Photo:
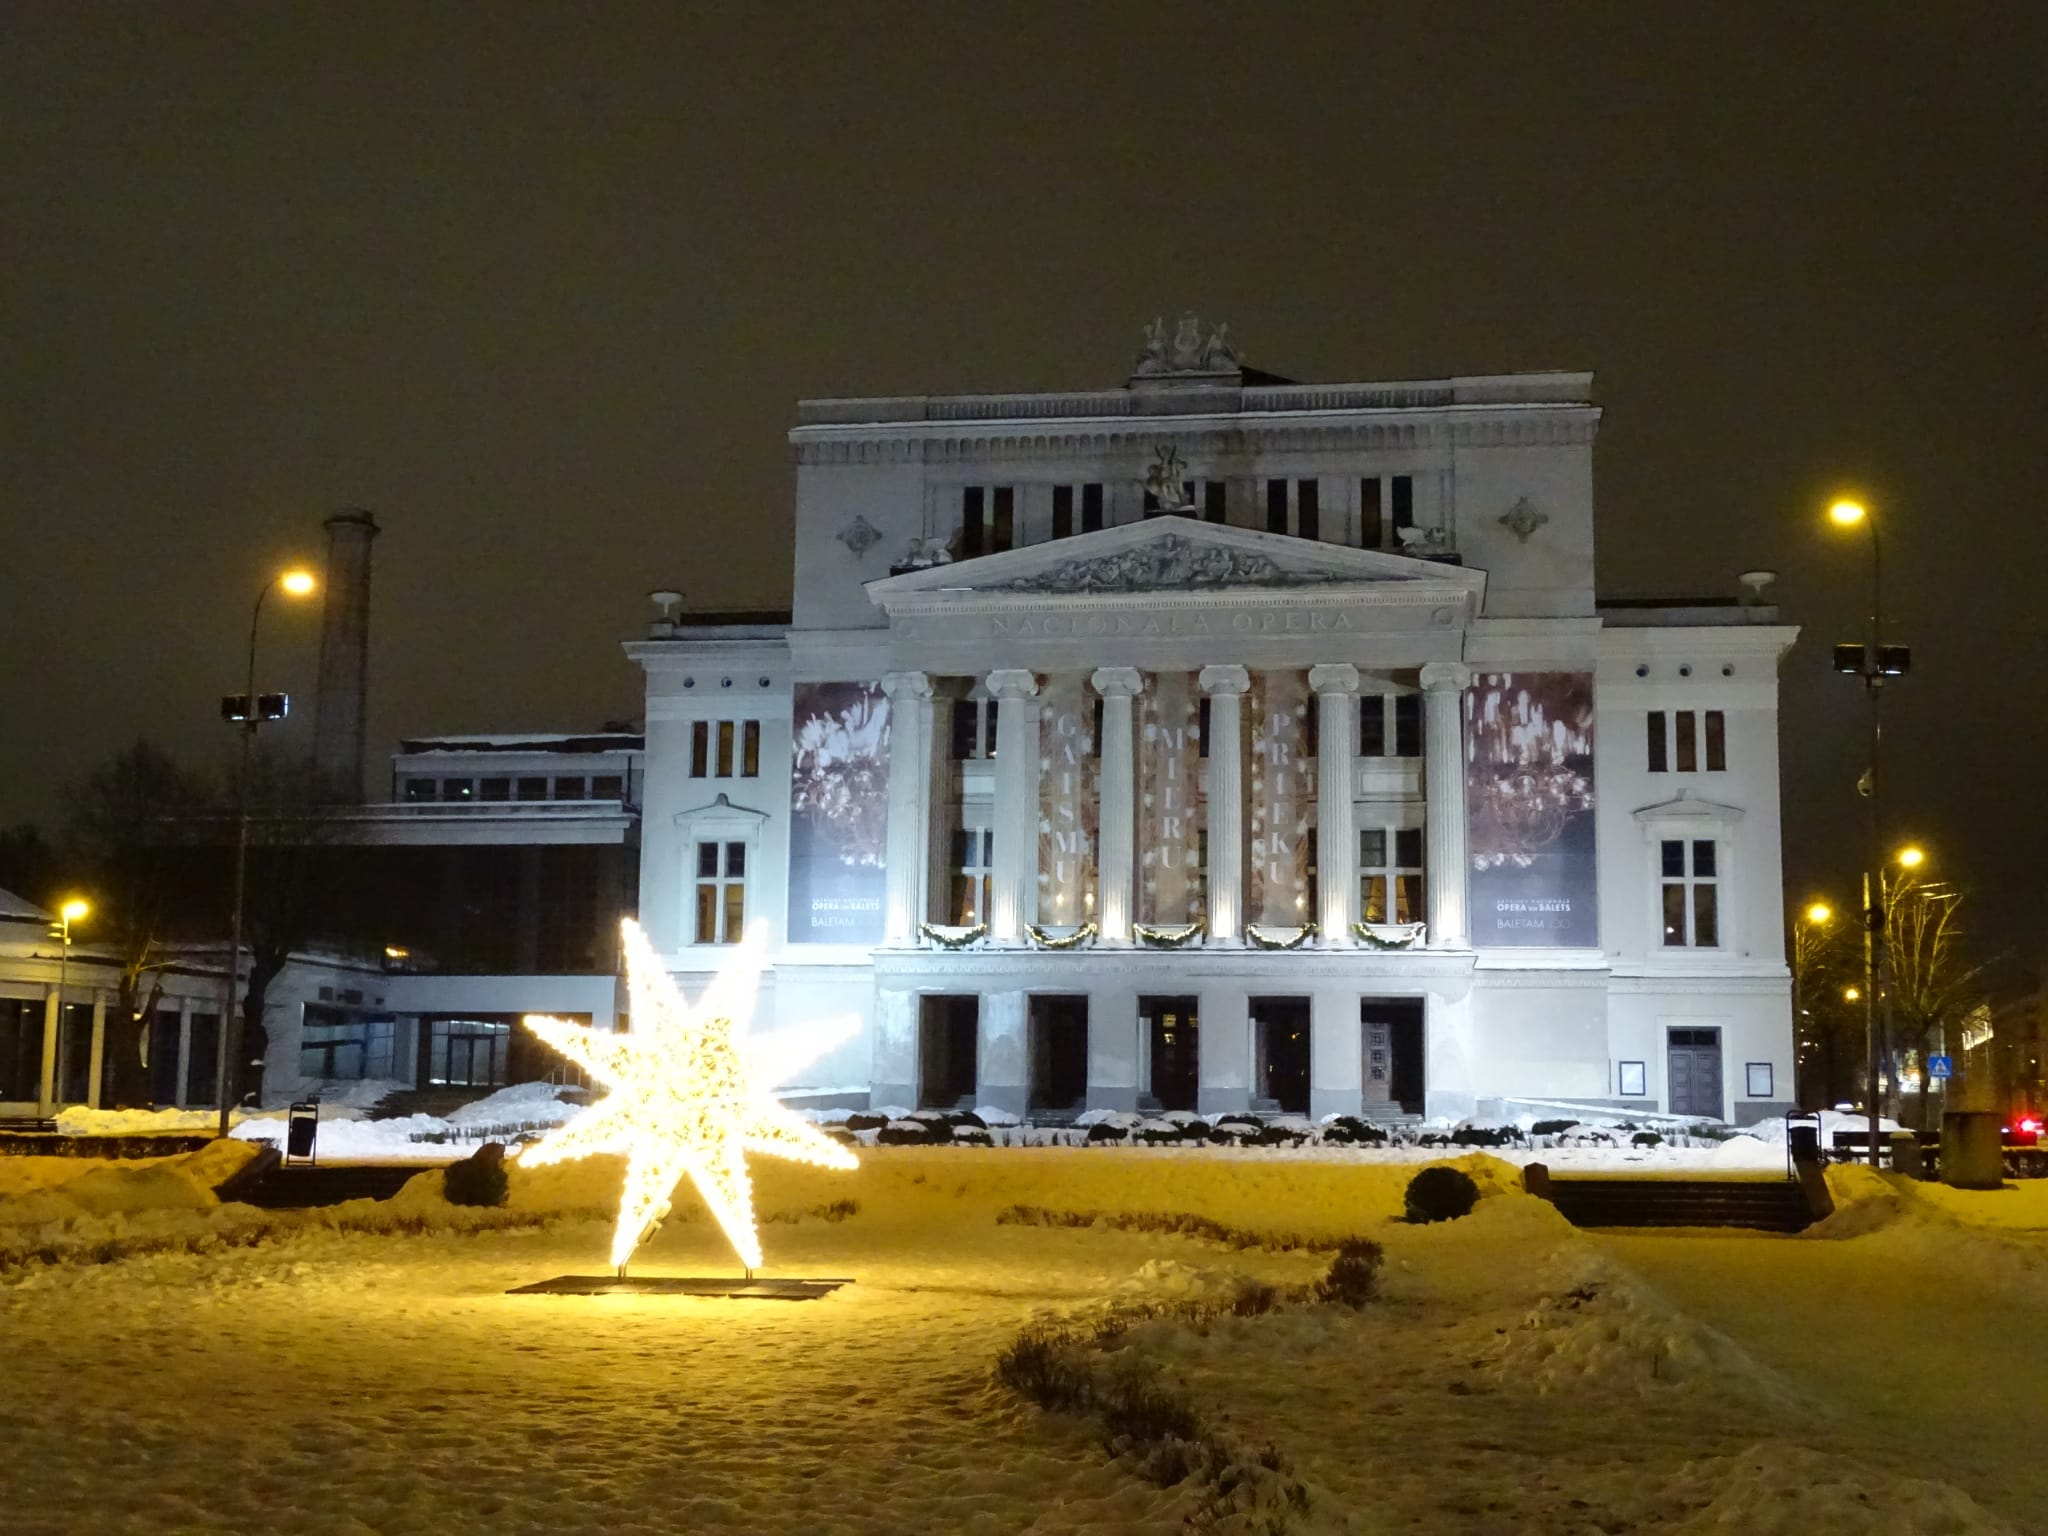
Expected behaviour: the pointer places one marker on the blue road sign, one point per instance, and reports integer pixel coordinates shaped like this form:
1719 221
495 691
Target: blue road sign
1940 1066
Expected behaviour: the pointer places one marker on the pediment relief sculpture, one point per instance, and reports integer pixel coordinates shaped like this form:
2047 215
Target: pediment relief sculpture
1174 562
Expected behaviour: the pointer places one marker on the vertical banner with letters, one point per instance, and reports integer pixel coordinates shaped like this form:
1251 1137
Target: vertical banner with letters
1529 809
1280 797
1067 769
1170 889
838 813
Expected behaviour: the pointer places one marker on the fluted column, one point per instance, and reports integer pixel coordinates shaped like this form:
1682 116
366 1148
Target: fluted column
1336 690
1016 807
910 793
1225 686
1117 849
1443 742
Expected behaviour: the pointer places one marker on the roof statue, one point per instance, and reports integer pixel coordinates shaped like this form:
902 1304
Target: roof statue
1186 350
1165 480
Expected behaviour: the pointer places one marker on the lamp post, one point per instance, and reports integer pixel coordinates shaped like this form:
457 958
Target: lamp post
253 711
1873 661
1804 944
69 912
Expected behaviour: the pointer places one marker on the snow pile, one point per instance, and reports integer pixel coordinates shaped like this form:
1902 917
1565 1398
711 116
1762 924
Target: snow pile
521 1104
346 1137
1774 1489
80 1121
1597 1328
130 1189
1831 1121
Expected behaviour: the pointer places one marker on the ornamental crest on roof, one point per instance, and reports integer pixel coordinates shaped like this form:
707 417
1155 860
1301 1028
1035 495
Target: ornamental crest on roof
1186 350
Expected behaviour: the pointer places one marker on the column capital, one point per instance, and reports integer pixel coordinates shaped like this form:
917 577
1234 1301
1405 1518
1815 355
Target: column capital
1446 677
1114 681
1334 677
907 685
1224 679
1012 683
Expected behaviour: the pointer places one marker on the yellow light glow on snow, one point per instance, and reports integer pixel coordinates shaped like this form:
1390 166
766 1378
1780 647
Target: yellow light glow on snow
690 1095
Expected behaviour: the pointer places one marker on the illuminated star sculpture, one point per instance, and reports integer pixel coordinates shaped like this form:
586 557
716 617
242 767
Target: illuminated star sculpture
689 1095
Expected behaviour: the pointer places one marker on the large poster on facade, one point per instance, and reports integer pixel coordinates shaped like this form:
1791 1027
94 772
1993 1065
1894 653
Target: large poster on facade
1529 809
838 813
1171 879
1067 818
1280 797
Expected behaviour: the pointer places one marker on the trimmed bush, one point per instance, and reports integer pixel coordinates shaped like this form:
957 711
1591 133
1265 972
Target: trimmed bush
478 1179
1349 1130
1354 1277
1482 1136
1440 1193
1102 1130
1646 1139
1551 1127
861 1120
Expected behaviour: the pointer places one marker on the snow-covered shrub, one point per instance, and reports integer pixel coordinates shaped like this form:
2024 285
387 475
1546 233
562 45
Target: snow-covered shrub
1440 1193
1102 1131
1278 1136
1164 1133
861 1120
1551 1127
972 1136
1646 1139
913 1133
1349 1130
1485 1133
1354 1277
478 1179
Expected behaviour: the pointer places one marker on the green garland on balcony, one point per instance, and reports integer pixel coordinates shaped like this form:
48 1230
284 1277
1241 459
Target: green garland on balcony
959 938
1081 935
1259 940
1170 938
1372 940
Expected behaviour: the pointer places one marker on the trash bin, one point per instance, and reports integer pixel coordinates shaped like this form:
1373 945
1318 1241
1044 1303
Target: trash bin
302 1130
1972 1149
1803 1140
1905 1150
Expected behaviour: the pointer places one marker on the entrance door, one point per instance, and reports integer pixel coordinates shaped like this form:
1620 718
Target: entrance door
1694 1075
1391 1052
1059 1055
947 1024
1173 1030
163 1056
1280 1041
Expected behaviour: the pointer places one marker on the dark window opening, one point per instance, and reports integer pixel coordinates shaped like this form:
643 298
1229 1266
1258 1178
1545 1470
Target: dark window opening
965 728
1212 502
700 750
750 750
1280 1028
1276 506
1062 511
1660 755
1005 529
1404 501
946 1028
1407 725
1371 533
1717 741
1058 1052
1202 726
1173 1027
1688 746
1308 509
972 527
1372 726
1091 508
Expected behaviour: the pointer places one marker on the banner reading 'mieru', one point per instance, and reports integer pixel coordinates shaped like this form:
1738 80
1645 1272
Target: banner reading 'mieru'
838 813
1529 809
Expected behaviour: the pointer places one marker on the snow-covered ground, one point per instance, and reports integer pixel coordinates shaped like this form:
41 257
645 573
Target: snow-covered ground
1515 1377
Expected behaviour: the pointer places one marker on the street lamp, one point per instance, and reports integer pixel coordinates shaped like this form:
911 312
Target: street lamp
1806 943
1873 661
71 911
248 712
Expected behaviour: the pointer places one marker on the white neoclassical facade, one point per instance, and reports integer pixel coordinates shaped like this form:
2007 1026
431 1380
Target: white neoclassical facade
1220 742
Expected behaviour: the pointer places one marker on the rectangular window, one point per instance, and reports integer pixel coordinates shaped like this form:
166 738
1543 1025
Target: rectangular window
973 521
1688 745
750 750
973 863
1690 894
1091 508
1660 757
1276 506
1404 503
1717 741
725 749
496 789
721 892
1213 502
533 787
700 750
1371 532
1063 511
1390 874
1407 725
419 790
606 786
569 789
1002 533
1372 725
1201 726
458 789
1308 509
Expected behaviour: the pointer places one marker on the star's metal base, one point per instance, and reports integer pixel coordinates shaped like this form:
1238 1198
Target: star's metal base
727 1288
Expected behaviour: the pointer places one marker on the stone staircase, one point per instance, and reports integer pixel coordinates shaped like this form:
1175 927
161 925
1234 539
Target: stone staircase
438 1102
1763 1205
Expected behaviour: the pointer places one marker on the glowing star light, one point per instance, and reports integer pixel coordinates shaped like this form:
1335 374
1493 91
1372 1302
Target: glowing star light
689 1095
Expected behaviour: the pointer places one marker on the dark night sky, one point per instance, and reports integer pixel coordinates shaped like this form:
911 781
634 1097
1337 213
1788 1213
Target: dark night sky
540 283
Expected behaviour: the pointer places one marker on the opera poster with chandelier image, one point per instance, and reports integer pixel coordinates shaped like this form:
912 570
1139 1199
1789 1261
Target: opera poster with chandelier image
838 813
1534 878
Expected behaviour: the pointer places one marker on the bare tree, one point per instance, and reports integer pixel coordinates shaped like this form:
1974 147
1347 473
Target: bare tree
1935 982
126 821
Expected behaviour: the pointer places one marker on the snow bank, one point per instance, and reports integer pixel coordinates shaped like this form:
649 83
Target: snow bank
131 1189
346 1137
80 1121
1775 1489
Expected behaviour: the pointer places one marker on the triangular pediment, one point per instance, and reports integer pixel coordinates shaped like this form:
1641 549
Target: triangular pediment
1687 806
1170 554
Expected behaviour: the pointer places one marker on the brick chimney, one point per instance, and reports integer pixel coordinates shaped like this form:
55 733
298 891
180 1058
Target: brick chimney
342 696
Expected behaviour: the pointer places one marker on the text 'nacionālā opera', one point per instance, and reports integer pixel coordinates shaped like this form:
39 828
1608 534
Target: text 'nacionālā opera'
1224 742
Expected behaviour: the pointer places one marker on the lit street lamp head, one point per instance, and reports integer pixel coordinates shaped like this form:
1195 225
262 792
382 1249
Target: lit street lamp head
1851 993
1819 912
74 910
297 582
1911 857
1847 513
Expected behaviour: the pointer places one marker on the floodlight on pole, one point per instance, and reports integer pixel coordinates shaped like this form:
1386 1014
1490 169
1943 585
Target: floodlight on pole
72 910
1911 857
294 581
1819 913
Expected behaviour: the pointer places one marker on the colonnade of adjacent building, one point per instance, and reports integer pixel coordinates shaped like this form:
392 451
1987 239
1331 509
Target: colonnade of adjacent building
1015 863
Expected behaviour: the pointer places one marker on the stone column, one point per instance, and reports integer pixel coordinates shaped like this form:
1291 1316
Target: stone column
1443 743
910 790
99 1051
1336 843
53 1016
1225 686
1117 855
1016 807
